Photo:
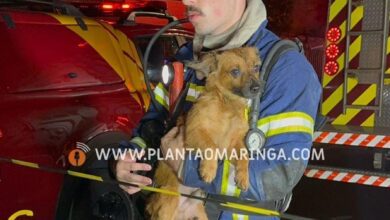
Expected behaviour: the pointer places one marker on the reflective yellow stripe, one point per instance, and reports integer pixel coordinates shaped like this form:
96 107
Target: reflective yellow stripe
159 190
21 213
193 92
336 96
24 163
225 177
335 8
162 102
138 141
85 176
286 123
387 81
364 99
228 186
162 95
240 217
290 129
369 122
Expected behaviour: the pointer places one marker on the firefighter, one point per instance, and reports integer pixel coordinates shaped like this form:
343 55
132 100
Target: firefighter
287 111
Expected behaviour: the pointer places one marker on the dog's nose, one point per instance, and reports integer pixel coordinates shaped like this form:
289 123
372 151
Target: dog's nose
255 87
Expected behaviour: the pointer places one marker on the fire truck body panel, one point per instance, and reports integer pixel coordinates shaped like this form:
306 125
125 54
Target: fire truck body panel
61 83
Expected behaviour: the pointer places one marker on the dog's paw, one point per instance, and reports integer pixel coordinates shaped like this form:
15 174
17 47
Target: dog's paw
207 171
208 177
242 180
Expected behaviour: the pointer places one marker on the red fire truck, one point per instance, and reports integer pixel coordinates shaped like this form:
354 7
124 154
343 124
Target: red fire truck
66 82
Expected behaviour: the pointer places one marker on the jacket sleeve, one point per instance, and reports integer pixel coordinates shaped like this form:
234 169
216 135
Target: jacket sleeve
287 114
151 127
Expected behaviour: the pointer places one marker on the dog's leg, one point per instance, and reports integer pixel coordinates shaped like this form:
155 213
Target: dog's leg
208 170
200 139
241 166
160 206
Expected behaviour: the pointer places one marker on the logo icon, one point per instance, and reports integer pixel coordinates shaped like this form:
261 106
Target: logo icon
78 156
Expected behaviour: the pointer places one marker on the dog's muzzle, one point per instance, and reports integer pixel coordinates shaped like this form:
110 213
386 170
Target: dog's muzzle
252 89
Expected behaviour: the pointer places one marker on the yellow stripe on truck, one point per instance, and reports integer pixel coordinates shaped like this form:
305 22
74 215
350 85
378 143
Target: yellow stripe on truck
364 99
387 81
95 36
335 8
112 51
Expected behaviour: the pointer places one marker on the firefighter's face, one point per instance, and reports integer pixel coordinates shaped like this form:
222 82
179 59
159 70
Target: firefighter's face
213 17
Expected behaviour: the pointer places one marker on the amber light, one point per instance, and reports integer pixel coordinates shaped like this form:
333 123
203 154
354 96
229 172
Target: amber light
331 68
332 51
334 34
125 6
107 6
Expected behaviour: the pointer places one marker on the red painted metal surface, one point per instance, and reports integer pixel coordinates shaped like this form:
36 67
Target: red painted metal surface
52 93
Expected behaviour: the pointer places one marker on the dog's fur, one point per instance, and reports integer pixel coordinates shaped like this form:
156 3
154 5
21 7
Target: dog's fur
215 121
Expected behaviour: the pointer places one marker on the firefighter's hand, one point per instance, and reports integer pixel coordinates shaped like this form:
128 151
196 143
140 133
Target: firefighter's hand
125 171
173 140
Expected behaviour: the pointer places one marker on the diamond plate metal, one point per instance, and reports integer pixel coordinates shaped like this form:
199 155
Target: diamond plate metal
384 120
371 54
372 44
373 14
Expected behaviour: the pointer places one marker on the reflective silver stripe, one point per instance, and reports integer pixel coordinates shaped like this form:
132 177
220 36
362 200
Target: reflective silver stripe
286 122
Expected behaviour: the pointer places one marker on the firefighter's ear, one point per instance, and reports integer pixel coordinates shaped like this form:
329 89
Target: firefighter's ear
206 65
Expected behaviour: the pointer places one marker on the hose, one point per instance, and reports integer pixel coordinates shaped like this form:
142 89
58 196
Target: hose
146 58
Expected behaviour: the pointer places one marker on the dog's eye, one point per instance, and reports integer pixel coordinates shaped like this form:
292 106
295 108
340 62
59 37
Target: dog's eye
235 73
256 69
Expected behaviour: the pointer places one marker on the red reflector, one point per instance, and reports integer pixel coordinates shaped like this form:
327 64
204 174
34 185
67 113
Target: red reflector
331 68
334 34
1 133
332 51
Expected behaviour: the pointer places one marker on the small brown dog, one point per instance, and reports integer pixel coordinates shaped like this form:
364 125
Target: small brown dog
215 121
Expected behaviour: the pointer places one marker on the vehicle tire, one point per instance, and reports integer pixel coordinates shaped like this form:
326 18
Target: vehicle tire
82 199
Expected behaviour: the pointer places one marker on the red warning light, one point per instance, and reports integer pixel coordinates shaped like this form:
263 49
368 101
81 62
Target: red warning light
331 68
332 51
334 34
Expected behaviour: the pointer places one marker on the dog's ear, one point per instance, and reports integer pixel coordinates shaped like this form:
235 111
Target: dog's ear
204 66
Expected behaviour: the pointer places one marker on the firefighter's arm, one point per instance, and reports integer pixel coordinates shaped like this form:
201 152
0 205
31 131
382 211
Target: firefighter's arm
287 116
147 134
151 127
